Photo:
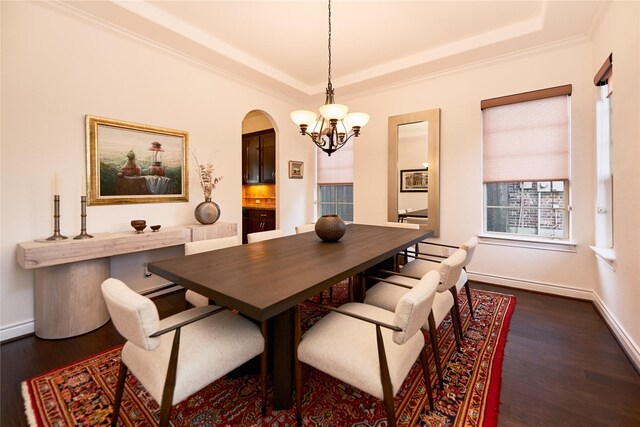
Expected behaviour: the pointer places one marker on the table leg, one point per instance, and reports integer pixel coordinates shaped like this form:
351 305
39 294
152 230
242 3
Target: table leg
283 359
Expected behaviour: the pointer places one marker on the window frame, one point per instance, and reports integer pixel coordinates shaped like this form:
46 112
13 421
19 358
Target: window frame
526 240
336 203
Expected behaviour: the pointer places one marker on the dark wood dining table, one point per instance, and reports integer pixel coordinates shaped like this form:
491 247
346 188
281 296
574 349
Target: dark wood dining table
266 280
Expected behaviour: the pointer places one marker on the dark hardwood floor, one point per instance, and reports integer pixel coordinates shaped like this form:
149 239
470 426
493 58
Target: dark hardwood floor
562 365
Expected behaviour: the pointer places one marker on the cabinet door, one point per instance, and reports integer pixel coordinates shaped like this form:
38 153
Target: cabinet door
251 160
268 160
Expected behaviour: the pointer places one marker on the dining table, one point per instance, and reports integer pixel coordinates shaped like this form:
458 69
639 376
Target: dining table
266 280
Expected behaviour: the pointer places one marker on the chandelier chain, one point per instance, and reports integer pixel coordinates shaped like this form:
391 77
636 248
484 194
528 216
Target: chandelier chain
329 45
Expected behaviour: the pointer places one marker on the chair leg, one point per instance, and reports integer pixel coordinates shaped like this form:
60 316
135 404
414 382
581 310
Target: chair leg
456 332
387 389
122 375
468 291
436 350
456 308
263 368
170 382
427 377
298 366
350 291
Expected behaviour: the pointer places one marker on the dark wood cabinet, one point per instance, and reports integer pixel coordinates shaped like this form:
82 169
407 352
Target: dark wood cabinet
259 157
255 220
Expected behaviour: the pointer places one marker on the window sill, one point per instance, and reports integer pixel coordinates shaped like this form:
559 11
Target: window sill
529 243
605 254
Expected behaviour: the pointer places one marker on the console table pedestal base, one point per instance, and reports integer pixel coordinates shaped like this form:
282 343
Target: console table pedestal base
68 299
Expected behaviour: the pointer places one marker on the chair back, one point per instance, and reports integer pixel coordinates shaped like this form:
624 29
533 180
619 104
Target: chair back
134 316
470 247
412 310
450 269
196 247
403 225
305 228
263 235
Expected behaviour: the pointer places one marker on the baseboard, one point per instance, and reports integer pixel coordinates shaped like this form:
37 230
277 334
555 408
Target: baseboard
530 285
17 330
631 349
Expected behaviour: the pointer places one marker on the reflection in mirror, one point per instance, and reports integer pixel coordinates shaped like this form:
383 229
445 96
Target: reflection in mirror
414 157
413 166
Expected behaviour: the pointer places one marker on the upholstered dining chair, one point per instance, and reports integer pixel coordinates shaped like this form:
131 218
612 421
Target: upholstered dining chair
377 347
181 354
264 235
424 262
396 264
190 248
388 291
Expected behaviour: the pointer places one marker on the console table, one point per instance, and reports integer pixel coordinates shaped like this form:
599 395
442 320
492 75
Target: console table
68 273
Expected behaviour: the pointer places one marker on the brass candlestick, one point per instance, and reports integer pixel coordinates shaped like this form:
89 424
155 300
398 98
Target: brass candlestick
56 220
83 217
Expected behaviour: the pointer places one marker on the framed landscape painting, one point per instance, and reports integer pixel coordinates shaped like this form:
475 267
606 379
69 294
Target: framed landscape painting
135 163
414 180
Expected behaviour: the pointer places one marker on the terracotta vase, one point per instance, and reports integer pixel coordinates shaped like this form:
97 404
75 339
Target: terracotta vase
207 212
156 169
330 228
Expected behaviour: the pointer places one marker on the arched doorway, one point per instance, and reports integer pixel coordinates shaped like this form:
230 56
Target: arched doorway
259 183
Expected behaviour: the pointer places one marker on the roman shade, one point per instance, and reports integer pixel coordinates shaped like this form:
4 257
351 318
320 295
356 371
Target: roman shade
526 136
337 168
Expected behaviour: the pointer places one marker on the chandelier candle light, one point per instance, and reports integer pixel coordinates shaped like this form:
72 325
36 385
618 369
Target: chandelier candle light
335 127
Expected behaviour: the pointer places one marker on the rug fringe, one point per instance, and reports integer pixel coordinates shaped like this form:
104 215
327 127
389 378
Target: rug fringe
28 408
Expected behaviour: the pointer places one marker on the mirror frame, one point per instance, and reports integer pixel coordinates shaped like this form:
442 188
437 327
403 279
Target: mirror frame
432 117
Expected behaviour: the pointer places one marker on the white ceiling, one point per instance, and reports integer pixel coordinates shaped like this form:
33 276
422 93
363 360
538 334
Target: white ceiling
283 44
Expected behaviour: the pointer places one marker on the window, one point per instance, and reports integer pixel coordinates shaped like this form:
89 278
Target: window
526 140
335 183
336 199
604 171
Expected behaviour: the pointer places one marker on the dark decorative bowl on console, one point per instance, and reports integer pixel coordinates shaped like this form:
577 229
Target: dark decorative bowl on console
139 225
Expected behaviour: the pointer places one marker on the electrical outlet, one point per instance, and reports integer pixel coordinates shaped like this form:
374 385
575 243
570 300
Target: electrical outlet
147 273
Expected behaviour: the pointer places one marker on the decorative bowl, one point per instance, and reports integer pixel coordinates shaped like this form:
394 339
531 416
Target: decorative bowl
155 227
139 225
330 228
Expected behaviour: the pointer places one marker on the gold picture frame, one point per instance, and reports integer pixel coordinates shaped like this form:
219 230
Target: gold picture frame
135 163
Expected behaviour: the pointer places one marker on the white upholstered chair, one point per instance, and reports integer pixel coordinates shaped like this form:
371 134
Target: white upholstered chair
396 265
190 248
377 347
422 264
263 235
181 354
305 228
388 291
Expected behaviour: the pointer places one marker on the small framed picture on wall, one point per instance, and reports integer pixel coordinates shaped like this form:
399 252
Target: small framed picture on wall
296 169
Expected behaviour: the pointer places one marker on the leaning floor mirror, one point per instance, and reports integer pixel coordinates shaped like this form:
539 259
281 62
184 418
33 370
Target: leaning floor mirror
414 169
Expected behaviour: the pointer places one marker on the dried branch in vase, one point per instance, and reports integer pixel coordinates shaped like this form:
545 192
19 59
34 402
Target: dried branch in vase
207 181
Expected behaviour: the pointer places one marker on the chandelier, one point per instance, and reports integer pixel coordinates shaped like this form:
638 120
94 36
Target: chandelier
335 127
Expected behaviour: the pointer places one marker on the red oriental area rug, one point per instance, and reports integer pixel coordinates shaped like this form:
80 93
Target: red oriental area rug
81 394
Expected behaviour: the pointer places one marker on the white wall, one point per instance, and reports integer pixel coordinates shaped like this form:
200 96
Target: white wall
57 67
618 291
458 94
